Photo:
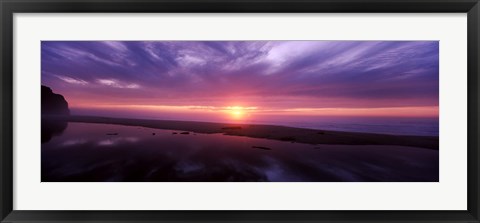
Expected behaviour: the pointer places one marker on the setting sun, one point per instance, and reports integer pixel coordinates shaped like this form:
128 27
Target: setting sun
236 112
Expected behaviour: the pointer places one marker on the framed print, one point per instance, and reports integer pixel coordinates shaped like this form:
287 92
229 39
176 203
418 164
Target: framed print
262 111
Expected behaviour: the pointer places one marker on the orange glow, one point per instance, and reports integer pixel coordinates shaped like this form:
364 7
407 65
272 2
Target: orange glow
426 111
240 112
236 112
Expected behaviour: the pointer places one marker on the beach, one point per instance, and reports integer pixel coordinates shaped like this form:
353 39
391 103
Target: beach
282 133
240 111
99 152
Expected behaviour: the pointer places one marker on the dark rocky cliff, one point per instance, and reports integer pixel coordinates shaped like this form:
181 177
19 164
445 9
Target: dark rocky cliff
53 104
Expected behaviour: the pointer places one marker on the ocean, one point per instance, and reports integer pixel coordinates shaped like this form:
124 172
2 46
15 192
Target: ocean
392 126
381 125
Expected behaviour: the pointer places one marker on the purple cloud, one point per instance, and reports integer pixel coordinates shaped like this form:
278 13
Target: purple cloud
263 73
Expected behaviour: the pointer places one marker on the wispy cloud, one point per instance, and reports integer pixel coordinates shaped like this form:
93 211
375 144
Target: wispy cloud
71 80
290 74
116 84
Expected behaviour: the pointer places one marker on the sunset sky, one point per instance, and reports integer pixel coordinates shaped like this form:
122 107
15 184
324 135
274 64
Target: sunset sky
222 80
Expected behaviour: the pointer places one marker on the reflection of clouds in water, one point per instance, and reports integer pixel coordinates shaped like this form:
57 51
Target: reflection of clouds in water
376 167
107 142
186 167
275 171
74 142
69 170
241 170
115 141
342 173
137 155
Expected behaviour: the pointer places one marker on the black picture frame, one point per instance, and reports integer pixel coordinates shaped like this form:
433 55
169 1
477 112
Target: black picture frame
9 7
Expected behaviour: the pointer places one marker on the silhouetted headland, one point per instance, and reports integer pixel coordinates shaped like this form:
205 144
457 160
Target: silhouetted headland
52 105
283 133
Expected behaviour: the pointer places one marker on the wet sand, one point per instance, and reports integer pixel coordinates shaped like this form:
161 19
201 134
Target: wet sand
282 133
94 152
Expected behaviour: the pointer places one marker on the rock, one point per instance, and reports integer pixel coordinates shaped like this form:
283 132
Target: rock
53 104
232 128
287 138
185 133
261 147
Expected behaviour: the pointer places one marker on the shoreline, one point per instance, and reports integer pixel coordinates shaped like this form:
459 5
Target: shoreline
282 133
